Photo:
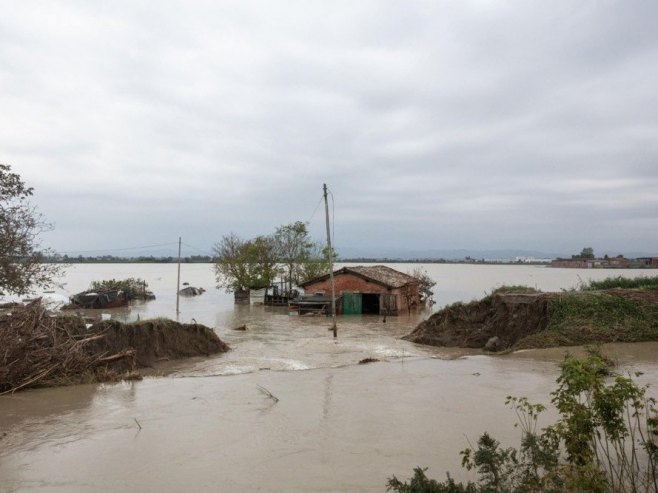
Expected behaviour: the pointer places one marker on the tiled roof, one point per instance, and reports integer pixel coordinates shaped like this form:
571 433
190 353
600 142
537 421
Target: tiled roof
383 274
377 273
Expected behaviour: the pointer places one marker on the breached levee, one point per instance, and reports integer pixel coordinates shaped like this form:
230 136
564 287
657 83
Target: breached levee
525 320
500 320
42 349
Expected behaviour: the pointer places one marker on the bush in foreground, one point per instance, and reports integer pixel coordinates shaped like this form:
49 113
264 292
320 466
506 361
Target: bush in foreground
605 440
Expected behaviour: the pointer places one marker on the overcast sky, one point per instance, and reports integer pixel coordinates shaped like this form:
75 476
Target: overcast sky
435 124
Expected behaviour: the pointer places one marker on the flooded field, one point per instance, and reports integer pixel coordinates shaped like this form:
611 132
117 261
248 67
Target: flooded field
210 425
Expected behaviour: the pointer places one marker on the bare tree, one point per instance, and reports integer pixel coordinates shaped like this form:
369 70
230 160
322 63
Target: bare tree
426 283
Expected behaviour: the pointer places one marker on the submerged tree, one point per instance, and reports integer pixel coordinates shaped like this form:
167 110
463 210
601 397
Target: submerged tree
245 264
21 256
294 249
301 258
252 264
426 283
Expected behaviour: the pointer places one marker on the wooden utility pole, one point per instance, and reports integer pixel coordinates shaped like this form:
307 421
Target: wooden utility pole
331 262
178 281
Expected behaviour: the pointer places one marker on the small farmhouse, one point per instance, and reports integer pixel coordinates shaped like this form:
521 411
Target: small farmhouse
377 290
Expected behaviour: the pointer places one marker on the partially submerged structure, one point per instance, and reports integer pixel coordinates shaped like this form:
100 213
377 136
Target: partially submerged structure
191 291
94 299
111 294
375 290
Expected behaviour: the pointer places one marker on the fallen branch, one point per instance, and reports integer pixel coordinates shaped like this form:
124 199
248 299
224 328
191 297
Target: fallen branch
268 393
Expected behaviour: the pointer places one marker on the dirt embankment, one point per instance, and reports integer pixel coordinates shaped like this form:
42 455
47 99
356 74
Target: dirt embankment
509 317
516 320
40 349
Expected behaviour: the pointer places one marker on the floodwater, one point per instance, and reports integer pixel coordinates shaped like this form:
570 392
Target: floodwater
211 425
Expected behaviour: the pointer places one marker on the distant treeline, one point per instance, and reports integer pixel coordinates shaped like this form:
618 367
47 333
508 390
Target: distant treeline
204 259
111 259
466 260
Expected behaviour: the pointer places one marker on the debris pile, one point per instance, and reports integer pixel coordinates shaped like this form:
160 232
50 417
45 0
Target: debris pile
38 348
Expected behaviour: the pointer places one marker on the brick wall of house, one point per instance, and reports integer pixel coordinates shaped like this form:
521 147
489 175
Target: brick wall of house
350 283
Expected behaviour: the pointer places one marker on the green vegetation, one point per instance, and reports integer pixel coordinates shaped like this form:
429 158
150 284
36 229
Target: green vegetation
21 257
134 288
585 253
245 264
253 264
605 440
646 283
592 315
426 283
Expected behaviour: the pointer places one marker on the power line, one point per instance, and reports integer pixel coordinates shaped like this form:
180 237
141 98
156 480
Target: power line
119 249
205 252
315 210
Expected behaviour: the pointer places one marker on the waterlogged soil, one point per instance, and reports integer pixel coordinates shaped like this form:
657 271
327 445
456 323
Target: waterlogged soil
325 429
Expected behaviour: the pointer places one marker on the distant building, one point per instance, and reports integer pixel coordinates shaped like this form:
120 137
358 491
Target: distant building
573 263
377 290
594 263
648 262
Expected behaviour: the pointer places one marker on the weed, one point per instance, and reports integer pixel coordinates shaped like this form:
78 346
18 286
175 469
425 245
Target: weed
605 440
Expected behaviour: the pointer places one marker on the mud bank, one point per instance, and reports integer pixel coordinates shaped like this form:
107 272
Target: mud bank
42 349
532 320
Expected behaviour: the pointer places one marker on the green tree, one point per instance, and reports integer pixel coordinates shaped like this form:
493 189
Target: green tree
294 250
21 256
317 263
244 264
586 253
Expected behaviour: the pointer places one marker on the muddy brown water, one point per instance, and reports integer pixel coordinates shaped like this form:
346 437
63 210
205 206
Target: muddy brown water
210 425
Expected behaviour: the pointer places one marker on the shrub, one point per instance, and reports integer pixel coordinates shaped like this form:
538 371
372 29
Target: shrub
650 283
134 288
605 440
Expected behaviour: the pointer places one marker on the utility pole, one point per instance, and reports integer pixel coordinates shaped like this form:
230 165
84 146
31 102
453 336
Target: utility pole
178 281
331 263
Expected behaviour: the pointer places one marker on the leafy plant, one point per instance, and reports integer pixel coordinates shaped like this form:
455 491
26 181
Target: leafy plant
640 282
22 266
134 288
605 440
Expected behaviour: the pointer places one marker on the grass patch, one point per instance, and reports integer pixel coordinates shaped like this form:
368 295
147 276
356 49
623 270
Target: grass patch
514 288
648 283
585 317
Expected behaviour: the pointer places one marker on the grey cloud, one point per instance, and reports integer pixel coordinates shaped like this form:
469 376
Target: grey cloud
475 124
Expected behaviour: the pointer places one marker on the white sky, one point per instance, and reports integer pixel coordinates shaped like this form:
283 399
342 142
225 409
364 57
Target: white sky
436 124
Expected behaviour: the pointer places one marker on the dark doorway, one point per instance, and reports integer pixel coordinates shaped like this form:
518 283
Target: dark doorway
370 304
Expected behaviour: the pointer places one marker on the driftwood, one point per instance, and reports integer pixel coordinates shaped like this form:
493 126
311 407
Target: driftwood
39 349
268 393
